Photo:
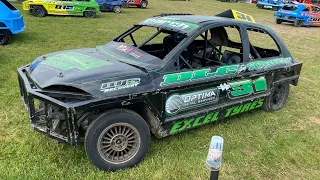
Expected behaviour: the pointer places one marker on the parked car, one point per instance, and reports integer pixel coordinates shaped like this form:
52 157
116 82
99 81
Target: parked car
138 3
187 71
111 5
270 4
299 15
41 8
11 21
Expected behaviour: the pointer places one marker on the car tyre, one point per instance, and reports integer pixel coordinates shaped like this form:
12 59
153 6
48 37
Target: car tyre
278 21
39 11
116 9
90 13
4 37
143 4
278 96
117 139
298 23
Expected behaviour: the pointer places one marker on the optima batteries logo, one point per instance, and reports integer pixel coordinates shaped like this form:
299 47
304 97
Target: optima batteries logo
181 102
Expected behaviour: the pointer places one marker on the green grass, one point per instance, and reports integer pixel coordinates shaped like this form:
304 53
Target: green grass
258 145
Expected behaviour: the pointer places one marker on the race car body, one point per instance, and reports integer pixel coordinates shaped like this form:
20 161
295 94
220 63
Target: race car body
188 71
270 4
299 15
41 8
111 5
138 3
11 21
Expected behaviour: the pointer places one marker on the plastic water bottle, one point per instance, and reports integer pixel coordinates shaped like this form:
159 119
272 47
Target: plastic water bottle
214 158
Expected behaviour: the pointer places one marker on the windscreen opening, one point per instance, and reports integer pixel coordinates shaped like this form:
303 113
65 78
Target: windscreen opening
155 41
290 8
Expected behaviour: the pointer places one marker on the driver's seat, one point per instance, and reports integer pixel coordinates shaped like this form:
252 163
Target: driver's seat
219 37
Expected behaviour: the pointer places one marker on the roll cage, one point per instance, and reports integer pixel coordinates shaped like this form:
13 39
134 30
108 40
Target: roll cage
249 52
175 58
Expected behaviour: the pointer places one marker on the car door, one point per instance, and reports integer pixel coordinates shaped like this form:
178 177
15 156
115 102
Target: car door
210 86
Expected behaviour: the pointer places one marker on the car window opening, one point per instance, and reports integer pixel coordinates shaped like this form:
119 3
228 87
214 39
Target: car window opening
262 45
290 7
155 41
214 47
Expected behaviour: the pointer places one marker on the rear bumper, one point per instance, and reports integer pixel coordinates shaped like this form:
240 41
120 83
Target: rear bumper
40 119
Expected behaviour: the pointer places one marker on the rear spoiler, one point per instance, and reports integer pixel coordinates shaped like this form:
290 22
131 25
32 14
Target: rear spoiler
233 14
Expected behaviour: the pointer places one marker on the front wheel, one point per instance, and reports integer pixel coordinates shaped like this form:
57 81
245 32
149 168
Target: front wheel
298 23
4 37
116 9
117 139
143 4
278 97
278 21
39 11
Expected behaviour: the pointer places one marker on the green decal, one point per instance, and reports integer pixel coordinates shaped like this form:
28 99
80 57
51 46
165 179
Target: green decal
204 119
194 122
176 78
169 23
170 79
243 108
258 65
233 69
241 88
260 84
198 74
71 60
244 87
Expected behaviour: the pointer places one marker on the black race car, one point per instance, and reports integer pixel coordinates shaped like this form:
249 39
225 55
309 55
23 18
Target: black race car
190 70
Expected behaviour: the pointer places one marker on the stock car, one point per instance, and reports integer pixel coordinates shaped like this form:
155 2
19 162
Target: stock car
111 5
270 4
299 14
41 8
138 3
11 21
188 71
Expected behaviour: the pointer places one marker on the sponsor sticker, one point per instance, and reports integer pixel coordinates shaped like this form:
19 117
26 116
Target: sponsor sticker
120 84
181 102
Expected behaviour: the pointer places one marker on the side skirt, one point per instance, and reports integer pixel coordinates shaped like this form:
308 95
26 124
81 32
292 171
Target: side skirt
173 127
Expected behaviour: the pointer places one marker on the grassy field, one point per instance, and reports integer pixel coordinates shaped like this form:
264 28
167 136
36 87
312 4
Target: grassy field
258 145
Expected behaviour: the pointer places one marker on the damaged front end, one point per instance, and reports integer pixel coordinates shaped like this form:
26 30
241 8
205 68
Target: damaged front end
52 112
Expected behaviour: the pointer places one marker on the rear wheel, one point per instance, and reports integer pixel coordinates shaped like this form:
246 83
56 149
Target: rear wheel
117 139
143 4
116 9
278 21
278 97
90 13
298 23
4 37
39 11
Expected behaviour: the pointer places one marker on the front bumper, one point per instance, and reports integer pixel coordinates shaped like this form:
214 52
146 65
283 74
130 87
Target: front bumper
39 118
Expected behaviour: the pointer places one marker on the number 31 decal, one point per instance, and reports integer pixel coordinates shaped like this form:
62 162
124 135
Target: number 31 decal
247 87
241 16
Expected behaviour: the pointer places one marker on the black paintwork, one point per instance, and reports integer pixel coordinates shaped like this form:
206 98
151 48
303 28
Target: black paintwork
83 87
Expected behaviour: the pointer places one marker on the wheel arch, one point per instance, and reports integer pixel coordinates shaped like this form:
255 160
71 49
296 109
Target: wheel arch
138 106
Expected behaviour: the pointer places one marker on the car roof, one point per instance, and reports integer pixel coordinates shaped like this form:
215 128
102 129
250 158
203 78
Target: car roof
196 21
200 19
